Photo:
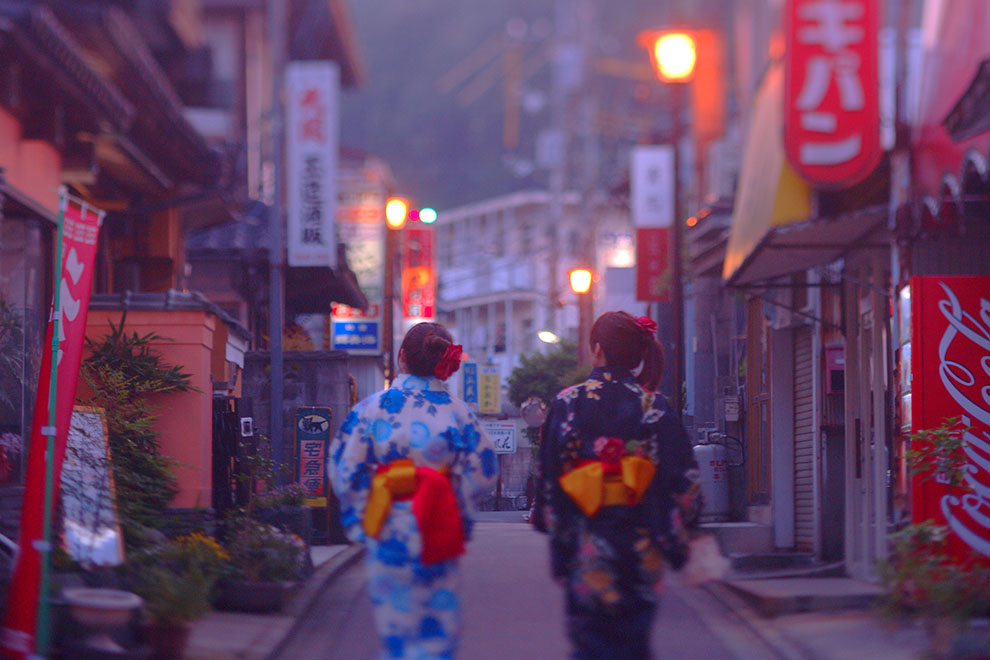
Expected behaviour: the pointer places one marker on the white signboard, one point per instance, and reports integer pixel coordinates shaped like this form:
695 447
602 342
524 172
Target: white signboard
311 134
503 434
651 186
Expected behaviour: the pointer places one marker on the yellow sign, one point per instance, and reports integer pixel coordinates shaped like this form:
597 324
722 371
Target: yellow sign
488 396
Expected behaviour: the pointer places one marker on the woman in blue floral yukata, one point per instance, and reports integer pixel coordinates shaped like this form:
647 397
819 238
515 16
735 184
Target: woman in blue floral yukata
619 487
408 465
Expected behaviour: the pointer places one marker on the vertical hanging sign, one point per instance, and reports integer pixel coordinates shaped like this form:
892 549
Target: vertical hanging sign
950 330
26 627
831 96
311 161
312 449
418 279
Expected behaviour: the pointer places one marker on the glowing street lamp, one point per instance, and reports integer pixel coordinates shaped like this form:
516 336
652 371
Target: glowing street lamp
580 280
547 337
396 211
674 56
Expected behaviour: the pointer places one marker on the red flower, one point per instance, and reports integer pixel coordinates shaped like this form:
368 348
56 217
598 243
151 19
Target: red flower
449 363
646 324
609 450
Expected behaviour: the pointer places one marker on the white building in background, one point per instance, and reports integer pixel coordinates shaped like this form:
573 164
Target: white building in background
497 263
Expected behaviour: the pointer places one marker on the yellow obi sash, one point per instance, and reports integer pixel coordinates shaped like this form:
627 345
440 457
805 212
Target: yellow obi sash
397 480
591 488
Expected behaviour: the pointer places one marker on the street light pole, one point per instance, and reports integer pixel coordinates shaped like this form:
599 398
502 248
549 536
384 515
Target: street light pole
277 24
677 287
674 56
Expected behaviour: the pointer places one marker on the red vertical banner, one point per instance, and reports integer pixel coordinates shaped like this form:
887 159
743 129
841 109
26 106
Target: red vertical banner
80 228
653 272
418 277
831 95
950 377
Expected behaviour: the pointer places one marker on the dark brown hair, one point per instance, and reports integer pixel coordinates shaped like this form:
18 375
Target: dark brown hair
649 377
623 341
423 346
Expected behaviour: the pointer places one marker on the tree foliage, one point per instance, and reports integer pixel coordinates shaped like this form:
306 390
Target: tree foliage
124 371
544 374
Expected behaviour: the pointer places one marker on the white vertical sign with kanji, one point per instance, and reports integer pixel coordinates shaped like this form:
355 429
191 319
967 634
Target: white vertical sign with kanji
311 131
651 186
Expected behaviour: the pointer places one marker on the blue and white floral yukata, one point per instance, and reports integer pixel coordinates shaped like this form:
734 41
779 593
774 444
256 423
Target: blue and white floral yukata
416 605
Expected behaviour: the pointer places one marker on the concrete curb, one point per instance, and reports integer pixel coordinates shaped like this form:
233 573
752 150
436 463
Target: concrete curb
759 626
310 591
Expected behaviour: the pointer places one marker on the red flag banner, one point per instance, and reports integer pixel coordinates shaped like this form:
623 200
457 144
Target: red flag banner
653 272
80 228
950 330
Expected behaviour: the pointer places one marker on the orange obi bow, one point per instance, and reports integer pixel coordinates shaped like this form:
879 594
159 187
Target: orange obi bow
596 484
433 502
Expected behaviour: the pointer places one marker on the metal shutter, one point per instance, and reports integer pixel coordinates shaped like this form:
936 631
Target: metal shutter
804 442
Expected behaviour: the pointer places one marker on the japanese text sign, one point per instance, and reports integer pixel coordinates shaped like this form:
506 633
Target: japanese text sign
311 150
831 96
653 272
950 379
502 434
651 186
418 280
312 443
469 384
489 401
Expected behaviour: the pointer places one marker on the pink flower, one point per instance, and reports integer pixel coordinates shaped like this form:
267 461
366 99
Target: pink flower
609 450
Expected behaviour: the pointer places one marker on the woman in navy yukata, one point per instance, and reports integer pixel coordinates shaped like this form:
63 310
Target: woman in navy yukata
408 465
619 487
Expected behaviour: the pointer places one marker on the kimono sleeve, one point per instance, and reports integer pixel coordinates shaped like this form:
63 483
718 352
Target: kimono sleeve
476 468
681 471
350 469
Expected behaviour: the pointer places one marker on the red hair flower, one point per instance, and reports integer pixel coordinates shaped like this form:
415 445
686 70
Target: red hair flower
646 324
449 363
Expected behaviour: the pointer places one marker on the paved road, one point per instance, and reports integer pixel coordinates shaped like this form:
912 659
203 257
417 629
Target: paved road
513 610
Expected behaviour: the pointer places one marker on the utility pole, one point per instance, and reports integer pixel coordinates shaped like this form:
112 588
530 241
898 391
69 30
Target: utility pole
276 312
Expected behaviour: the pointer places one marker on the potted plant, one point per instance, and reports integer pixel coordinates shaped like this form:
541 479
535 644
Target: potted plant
922 580
176 581
264 563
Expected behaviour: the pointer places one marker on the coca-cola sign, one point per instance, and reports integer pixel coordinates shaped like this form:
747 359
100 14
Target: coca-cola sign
951 378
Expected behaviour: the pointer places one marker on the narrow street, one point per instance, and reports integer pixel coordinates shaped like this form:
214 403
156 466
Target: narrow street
512 609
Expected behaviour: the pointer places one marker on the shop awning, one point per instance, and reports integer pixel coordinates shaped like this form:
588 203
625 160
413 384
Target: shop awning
797 247
770 194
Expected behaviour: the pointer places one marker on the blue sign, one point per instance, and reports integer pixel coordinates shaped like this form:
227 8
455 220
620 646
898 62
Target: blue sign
469 382
356 336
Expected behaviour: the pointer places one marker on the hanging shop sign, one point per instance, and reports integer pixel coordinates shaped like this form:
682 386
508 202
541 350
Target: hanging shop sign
949 358
311 165
831 90
418 276
489 400
651 186
469 384
653 272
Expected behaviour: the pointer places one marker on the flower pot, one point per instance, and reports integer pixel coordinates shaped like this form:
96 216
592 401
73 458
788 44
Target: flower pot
167 639
248 596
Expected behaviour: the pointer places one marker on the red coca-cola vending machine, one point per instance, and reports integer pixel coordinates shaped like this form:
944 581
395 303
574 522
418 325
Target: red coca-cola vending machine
950 377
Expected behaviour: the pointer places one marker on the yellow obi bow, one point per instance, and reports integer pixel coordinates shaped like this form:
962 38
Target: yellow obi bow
397 479
591 488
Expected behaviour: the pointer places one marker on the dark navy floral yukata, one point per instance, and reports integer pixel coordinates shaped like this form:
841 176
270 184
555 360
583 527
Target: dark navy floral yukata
611 563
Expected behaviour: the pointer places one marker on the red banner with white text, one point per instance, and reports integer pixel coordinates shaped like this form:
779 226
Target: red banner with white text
79 235
950 378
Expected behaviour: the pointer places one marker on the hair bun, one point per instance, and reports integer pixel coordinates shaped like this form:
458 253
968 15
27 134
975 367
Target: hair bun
436 344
